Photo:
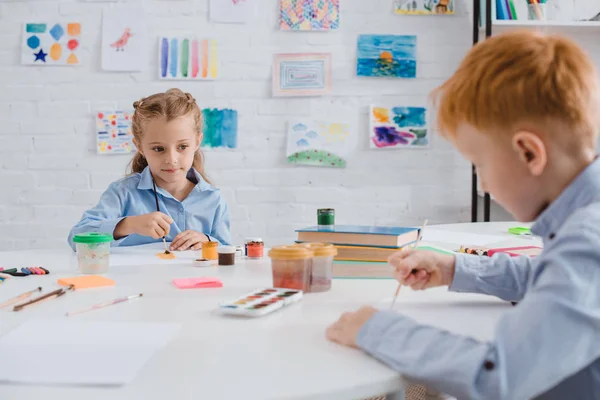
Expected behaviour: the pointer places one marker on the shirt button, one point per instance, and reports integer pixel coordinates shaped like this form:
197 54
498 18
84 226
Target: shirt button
489 365
551 236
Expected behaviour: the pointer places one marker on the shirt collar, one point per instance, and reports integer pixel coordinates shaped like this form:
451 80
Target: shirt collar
583 190
193 176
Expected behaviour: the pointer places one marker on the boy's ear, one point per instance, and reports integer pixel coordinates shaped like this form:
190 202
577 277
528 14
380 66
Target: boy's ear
531 150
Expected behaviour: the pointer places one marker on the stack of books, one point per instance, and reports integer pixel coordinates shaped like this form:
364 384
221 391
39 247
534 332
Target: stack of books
361 243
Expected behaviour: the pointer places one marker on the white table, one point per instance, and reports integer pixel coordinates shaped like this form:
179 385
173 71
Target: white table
283 355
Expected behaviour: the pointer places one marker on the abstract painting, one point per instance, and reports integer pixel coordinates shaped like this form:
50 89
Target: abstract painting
123 39
231 11
302 74
113 132
321 144
309 15
51 43
392 56
187 58
220 127
398 127
423 7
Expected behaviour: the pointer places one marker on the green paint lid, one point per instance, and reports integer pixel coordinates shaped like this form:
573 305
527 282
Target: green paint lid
93 237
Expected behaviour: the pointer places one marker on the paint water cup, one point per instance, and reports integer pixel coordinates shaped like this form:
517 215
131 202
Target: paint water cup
322 265
291 267
93 252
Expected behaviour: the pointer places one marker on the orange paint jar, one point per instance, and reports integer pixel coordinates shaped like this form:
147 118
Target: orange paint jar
209 250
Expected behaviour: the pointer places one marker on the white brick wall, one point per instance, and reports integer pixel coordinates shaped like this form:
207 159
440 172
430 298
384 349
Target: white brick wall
49 173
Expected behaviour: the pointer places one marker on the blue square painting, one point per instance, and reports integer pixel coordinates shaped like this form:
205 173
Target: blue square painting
390 56
220 128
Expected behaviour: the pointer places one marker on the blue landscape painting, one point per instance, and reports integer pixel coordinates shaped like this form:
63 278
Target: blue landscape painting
392 56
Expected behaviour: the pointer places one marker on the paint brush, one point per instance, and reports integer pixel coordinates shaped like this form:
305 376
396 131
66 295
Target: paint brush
20 297
158 209
419 237
108 303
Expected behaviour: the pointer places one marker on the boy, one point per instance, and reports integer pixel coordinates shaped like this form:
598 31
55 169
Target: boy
524 108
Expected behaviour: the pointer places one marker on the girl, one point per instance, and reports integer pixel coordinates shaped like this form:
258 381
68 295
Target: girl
167 193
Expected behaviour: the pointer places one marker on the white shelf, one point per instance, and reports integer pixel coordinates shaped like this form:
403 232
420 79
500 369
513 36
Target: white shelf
541 24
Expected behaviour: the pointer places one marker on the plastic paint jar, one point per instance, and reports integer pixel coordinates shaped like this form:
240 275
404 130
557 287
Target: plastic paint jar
209 250
291 267
326 219
251 240
226 255
255 248
93 252
322 266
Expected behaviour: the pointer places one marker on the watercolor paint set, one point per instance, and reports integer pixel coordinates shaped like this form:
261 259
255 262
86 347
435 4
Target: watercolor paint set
261 302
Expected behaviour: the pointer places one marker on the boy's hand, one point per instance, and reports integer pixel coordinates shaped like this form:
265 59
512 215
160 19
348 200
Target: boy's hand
188 240
422 269
156 225
346 329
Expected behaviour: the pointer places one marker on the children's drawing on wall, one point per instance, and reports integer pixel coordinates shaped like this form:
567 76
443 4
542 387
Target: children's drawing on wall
220 128
398 127
392 56
423 7
51 44
113 132
309 15
321 144
302 74
187 58
124 39
232 11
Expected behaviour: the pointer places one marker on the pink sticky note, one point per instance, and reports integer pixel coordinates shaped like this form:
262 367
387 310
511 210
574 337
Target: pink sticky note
197 283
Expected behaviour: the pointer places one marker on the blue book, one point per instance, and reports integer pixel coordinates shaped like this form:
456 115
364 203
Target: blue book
501 10
360 235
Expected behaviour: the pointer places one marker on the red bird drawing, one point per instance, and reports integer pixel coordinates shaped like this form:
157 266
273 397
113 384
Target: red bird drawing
122 42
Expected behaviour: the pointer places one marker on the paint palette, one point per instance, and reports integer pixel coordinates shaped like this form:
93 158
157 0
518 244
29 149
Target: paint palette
261 302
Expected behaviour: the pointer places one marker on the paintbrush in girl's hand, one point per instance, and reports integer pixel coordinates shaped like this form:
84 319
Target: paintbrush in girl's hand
158 209
419 237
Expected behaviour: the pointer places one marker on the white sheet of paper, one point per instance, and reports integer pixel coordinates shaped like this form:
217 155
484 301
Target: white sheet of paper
231 11
124 39
79 352
460 238
146 255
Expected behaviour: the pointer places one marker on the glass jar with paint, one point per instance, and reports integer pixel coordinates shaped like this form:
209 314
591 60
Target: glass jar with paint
226 255
291 267
255 248
326 219
322 265
209 250
93 252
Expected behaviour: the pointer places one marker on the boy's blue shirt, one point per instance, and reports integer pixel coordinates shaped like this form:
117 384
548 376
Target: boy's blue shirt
548 346
203 210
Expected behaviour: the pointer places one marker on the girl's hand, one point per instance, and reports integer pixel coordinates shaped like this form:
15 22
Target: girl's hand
156 225
188 240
